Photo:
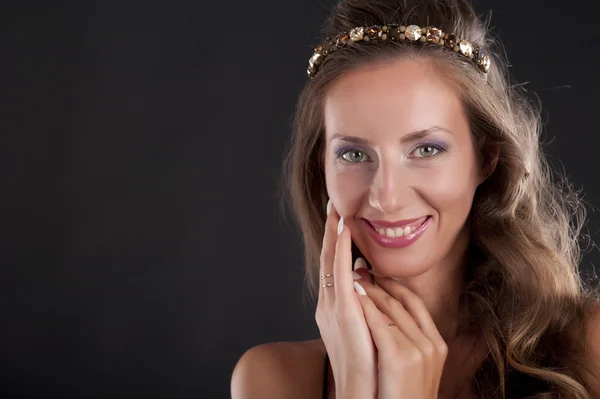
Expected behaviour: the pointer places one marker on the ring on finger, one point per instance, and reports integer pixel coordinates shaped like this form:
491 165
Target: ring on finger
323 276
327 285
390 325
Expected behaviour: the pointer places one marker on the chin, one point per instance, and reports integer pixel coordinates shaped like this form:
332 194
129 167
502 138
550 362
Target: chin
394 265
411 261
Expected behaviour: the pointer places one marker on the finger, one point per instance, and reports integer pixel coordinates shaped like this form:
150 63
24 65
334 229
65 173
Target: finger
388 340
405 354
392 308
328 251
415 307
342 263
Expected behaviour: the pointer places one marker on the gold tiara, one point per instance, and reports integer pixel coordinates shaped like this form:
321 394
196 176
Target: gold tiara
399 33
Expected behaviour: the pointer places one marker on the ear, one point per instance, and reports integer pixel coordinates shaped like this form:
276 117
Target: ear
489 160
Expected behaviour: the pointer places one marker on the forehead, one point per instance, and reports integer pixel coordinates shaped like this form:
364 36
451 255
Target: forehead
401 95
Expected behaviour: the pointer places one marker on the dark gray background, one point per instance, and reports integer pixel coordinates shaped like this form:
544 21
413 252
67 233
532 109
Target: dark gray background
143 249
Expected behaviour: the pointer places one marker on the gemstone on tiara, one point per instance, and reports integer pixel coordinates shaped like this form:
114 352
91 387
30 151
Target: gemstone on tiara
485 63
329 46
413 32
434 35
314 60
357 34
465 48
342 39
450 40
429 35
374 32
394 31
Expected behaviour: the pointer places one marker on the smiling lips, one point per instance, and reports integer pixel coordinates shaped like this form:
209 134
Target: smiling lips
397 229
396 234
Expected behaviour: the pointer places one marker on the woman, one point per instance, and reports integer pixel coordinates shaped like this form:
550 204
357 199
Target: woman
417 163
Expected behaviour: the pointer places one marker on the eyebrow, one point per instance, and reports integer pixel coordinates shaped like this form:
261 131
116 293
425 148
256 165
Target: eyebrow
412 136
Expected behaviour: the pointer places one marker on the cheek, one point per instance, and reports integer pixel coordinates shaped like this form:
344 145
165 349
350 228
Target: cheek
452 187
346 189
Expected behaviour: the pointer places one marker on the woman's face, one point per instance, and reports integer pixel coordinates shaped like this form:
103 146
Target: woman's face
400 165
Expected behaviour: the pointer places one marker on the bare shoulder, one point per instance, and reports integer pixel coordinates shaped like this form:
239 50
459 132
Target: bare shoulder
284 370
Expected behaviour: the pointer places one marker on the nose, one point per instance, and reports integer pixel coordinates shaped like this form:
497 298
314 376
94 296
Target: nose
388 188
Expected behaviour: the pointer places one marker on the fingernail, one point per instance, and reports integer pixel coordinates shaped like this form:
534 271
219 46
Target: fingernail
359 288
360 263
341 225
356 276
329 206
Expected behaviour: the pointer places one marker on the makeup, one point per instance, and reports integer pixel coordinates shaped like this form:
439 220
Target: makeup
396 242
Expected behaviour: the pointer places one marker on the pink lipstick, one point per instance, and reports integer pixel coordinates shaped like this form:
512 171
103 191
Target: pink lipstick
397 234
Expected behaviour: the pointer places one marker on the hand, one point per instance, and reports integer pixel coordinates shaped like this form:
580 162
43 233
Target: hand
411 352
340 317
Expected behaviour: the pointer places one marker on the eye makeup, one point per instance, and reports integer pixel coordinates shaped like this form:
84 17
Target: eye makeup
439 145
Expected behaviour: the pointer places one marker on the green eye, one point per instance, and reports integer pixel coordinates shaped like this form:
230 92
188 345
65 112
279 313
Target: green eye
426 152
354 156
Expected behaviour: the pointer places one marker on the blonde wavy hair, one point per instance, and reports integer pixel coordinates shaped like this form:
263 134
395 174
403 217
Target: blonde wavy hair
522 278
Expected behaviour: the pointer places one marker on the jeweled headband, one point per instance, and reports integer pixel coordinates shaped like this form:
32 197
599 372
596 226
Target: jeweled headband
399 33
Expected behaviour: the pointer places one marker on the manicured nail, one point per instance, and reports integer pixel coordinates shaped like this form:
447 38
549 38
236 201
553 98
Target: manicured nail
341 225
360 263
356 276
329 206
359 288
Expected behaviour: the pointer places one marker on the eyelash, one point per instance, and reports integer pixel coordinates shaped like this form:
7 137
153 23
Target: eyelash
340 153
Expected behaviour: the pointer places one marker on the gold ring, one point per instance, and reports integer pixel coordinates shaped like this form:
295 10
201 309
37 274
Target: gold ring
328 285
391 325
326 275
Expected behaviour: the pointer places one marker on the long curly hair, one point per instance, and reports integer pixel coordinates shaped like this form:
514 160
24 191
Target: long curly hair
522 277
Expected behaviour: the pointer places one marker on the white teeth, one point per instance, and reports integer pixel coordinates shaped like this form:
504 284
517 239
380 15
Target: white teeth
392 233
